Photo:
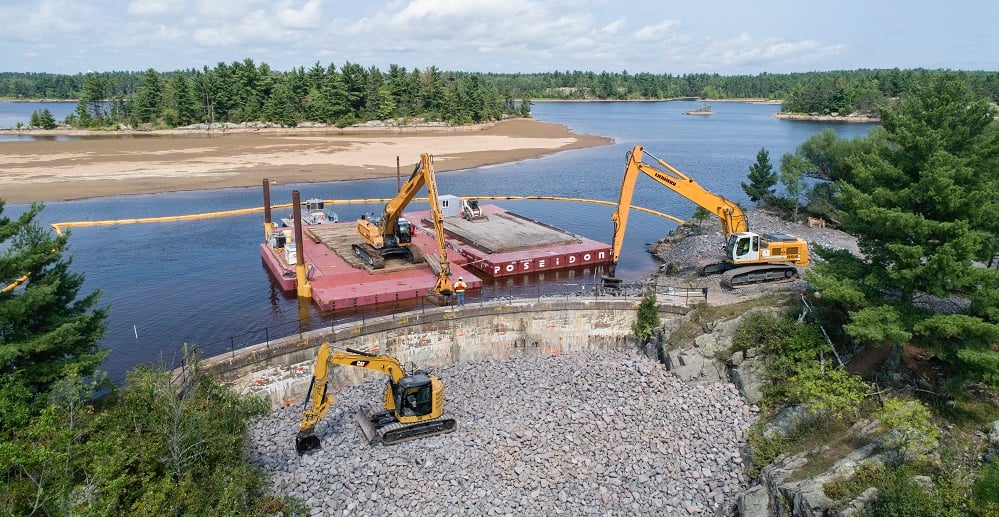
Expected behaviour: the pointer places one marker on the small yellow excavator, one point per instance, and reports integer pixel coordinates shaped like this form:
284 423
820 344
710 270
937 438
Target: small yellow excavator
413 405
749 258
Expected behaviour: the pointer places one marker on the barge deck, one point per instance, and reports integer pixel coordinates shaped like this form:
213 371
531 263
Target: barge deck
502 244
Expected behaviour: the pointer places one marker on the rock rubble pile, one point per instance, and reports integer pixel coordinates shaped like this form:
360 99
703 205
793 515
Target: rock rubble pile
685 246
606 433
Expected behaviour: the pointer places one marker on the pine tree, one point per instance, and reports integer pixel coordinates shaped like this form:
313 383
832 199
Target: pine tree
922 203
146 103
46 120
647 318
46 331
762 178
91 107
793 169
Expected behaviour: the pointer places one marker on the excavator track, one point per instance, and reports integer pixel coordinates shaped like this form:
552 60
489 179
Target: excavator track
382 427
368 254
712 266
762 274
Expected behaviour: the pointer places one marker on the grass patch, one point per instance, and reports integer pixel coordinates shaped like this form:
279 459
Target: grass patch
867 475
703 317
969 410
838 442
804 438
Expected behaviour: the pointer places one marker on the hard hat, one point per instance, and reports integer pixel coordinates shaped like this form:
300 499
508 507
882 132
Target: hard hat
460 278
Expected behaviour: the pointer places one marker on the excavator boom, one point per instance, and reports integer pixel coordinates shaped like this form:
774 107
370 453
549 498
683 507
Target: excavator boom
443 286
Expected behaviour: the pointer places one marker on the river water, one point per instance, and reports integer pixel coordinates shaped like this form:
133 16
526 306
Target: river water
202 281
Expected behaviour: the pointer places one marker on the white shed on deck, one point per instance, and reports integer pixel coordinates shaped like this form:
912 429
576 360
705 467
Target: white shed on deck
450 205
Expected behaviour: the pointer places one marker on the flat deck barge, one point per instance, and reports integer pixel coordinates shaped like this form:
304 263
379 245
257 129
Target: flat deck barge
502 244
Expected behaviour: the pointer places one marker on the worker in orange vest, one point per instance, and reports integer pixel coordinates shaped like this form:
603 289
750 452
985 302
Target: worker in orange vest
459 289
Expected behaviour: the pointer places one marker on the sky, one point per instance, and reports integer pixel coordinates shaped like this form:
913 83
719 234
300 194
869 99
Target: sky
505 36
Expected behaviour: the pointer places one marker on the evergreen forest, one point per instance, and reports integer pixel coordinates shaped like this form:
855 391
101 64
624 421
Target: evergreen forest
243 91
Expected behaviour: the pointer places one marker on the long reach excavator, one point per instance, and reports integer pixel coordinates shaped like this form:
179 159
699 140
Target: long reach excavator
749 258
390 234
413 406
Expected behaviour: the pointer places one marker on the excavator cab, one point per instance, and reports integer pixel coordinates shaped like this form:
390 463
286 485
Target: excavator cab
743 247
414 395
403 230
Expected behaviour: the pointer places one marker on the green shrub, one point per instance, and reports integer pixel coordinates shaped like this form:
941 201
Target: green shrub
985 491
765 330
901 496
647 318
913 433
827 390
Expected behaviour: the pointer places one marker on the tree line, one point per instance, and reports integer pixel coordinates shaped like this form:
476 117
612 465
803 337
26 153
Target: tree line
243 91
246 92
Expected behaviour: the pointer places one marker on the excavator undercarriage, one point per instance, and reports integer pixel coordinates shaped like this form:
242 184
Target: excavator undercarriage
381 426
733 276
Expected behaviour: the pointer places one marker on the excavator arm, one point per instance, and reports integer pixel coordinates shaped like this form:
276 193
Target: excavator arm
443 285
394 208
732 217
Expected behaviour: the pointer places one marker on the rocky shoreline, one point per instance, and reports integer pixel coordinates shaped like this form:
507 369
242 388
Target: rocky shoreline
815 117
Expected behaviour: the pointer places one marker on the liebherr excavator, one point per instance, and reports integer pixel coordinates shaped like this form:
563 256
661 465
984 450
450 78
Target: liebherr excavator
413 405
749 258
391 234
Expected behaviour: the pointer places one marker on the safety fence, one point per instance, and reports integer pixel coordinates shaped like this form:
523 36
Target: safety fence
669 295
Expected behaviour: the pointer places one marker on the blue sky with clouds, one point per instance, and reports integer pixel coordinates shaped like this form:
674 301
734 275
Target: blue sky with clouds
721 36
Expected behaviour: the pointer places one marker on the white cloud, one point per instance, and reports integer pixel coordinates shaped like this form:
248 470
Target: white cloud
154 7
613 27
662 31
308 17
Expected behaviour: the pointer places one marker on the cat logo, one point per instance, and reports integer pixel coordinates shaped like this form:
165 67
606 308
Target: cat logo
360 363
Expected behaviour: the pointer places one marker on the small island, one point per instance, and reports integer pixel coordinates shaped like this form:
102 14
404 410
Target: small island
703 110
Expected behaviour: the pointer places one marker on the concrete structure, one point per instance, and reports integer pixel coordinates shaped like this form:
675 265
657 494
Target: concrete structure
281 371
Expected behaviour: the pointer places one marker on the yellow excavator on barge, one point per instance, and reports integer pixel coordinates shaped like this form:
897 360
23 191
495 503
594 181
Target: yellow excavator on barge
749 258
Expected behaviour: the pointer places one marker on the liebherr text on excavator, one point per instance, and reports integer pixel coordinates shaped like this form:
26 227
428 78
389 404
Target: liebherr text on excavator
749 258
413 406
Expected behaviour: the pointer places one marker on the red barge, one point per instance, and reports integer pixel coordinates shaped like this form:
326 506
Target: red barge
497 245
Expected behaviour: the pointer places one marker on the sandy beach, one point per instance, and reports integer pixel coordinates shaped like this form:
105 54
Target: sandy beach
95 165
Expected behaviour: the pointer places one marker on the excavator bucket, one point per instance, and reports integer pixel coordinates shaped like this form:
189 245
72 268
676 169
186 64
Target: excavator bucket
307 443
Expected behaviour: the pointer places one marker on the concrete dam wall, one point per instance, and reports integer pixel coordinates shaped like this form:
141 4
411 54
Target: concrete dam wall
281 370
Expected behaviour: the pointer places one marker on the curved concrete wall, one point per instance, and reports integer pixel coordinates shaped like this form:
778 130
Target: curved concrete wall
281 370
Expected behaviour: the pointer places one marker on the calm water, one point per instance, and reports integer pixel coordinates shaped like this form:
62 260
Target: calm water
13 112
201 281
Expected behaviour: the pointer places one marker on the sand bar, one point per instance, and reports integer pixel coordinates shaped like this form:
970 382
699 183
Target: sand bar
96 165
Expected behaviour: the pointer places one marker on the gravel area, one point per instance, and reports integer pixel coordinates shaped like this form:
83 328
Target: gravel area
605 433
686 250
